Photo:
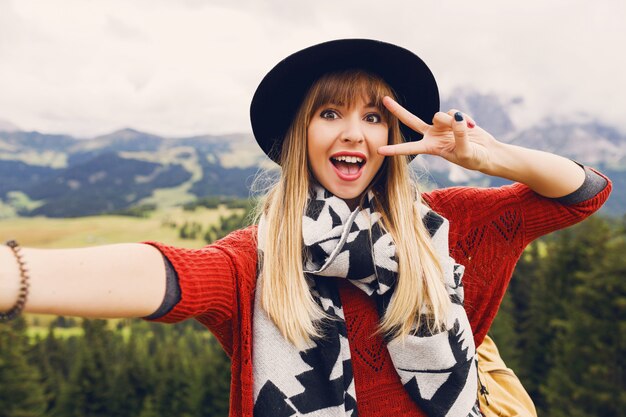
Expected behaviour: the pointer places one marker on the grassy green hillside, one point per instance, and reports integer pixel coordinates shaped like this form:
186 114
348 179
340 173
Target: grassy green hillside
162 225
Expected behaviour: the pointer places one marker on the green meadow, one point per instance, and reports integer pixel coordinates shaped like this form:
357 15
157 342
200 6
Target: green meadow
161 225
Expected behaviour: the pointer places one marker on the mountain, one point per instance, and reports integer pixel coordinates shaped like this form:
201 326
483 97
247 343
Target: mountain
62 176
6 126
92 187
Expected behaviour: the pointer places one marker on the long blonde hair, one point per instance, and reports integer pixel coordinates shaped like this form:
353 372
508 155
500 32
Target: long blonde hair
420 297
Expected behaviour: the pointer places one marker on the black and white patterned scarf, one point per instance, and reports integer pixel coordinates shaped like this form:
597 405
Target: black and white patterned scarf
437 370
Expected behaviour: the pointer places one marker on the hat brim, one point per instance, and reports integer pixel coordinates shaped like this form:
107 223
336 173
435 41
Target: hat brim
280 93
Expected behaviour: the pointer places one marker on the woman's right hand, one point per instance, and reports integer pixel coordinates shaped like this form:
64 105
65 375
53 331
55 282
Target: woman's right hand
458 141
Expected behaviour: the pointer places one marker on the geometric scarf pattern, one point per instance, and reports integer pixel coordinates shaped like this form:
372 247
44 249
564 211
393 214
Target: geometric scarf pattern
438 370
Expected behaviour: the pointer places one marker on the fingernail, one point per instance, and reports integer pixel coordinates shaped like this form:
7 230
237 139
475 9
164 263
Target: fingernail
470 124
458 116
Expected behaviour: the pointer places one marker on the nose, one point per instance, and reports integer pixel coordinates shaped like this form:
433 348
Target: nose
353 131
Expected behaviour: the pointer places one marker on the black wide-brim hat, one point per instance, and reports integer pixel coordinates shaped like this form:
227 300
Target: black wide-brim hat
282 90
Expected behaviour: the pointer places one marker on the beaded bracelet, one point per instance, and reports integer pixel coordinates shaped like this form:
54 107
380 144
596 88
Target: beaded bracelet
21 299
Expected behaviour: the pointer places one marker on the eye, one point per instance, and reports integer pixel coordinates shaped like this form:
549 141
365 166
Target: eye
329 114
373 118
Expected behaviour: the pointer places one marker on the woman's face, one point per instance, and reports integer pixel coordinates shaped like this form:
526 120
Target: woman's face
342 145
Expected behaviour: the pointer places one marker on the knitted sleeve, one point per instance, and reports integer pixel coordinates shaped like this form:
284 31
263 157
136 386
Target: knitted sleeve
490 227
204 284
543 215
201 283
520 208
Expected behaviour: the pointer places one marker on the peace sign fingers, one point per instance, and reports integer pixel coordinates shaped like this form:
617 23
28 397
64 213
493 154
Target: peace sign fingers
405 116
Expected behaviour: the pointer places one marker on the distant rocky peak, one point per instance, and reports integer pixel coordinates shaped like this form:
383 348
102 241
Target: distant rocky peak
490 111
127 134
588 141
6 126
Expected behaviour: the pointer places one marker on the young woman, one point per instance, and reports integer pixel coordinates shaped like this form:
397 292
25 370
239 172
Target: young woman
355 292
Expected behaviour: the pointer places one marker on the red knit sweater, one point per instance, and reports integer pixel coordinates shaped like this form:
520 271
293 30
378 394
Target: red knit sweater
489 229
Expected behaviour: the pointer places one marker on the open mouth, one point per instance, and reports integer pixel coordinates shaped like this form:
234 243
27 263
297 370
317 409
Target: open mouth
348 167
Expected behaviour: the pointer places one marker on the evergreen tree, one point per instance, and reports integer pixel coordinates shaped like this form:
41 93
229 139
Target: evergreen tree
132 375
215 381
21 394
183 232
503 332
174 379
211 234
587 378
87 393
567 251
149 408
49 356
508 327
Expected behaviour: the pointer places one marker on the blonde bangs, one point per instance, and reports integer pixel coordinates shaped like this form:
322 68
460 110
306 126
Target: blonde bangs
348 87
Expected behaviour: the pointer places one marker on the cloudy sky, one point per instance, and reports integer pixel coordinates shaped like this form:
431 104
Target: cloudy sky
191 66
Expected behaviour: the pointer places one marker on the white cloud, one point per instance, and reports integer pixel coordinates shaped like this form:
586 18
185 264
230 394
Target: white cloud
189 67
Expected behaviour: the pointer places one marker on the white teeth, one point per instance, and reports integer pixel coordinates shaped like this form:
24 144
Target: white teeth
350 159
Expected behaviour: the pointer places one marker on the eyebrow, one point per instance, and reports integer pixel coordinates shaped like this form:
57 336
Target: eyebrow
341 104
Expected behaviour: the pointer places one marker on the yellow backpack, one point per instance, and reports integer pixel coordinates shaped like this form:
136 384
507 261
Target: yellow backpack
500 392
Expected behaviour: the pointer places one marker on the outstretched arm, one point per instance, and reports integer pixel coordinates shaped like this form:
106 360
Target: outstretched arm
121 280
545 173
456 137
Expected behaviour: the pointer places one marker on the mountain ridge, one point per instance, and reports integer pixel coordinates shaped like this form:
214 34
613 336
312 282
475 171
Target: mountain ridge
63 176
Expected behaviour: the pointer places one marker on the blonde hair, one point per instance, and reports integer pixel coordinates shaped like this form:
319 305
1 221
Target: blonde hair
420 297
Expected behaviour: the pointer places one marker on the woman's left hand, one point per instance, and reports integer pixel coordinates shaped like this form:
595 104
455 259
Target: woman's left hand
455 141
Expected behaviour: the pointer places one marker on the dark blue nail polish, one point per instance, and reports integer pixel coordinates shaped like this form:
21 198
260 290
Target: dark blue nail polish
458 116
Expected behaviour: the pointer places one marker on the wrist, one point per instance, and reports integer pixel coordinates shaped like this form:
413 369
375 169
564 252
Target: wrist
497 162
